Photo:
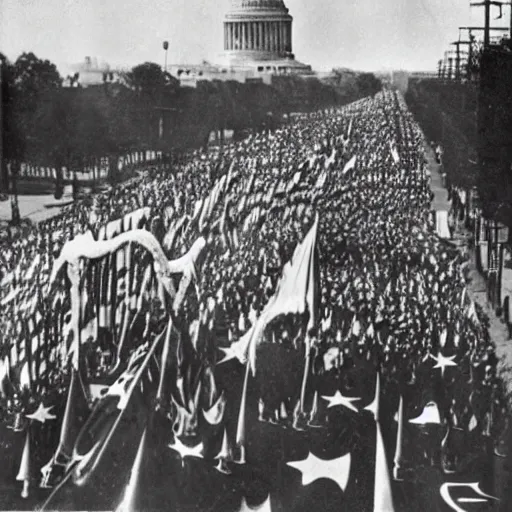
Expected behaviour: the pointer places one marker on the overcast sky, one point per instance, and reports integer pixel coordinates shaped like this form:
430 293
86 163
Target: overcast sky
360 34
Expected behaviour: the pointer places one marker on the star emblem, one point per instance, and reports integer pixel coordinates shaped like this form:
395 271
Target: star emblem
229 354
313 469
42 414
443 362
186 451
339 399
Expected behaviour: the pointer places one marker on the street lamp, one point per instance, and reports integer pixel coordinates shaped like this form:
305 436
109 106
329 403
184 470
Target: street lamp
166 48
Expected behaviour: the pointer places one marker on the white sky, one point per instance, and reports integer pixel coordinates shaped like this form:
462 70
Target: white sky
360 34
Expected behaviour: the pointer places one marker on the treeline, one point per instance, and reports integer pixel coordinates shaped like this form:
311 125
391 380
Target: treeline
49 124
447 115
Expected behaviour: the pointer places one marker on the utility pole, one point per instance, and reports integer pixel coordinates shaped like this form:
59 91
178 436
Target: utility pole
469 54
509 4
471 44
487 29
457 63
440 68
472 40
448 56
458 55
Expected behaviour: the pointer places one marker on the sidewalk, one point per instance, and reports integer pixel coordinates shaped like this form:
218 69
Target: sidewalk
477 288
440 202
36 208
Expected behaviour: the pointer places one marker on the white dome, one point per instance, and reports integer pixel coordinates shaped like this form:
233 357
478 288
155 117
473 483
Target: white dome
250 5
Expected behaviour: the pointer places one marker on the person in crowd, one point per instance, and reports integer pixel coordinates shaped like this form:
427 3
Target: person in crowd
392 296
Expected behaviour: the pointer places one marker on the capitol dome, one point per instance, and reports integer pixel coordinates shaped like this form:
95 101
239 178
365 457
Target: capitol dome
237 5
258 30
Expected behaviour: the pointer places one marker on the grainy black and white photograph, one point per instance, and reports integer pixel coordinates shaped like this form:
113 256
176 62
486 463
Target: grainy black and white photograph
255 255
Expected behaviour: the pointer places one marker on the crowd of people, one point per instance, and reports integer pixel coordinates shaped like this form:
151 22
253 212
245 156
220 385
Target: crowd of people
391 295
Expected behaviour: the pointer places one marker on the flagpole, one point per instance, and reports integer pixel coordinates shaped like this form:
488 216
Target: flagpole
240 431
305 375
131 493
399 441
74 277
24 471
383 494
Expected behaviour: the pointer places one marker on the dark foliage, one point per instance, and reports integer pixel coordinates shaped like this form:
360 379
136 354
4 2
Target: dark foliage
47 124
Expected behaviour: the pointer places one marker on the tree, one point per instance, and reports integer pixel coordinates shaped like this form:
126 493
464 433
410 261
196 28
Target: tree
5 120
29 79
368 84
147 79
33 76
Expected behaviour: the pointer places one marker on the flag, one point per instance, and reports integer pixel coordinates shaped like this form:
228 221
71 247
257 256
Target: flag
442 228
198 208
296 293
11 296
267 199
214 196
321 180
102 295
331 160
203 218
76 407
394 154
472 314
5 381
350 165
98 431
250 183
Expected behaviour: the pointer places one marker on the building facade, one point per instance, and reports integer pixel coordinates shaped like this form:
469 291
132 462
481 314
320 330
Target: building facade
258 36
258 45
258 30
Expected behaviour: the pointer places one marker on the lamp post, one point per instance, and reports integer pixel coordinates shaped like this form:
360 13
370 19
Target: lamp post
166 50
161 120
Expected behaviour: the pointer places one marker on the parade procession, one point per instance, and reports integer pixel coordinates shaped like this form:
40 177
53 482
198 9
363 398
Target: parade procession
273 325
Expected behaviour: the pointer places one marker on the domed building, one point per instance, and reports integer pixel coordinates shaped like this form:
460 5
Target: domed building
258 35
258 45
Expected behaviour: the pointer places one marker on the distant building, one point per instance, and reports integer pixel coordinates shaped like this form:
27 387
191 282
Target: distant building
400 80
258 44
89 73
